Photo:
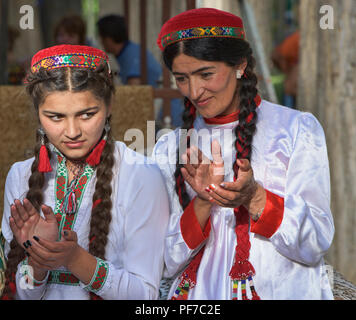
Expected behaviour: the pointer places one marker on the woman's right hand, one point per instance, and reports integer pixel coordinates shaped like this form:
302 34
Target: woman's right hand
25 222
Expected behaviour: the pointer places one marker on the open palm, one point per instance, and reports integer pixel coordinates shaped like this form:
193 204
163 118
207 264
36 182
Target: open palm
25 222
200 172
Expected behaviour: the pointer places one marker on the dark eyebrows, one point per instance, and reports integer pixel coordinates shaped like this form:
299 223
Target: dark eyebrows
195 71
53 113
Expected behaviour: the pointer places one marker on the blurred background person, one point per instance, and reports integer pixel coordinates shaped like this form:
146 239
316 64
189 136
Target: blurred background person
16 68
115 40
70 30
285 57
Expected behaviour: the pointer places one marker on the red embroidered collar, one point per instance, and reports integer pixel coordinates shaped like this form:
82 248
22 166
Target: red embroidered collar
232 117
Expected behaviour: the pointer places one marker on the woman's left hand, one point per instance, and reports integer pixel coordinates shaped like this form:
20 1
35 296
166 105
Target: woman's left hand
237 193
51 255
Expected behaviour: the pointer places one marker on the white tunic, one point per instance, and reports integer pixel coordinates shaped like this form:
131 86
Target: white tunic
289 159
140 212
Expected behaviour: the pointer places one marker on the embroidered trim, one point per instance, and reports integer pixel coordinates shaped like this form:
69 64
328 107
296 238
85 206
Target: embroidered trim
79 60
67 221
26 271
202 32
63 277
2 262
99 278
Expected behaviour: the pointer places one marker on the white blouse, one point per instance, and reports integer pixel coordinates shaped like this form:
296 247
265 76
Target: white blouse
289 159
134 253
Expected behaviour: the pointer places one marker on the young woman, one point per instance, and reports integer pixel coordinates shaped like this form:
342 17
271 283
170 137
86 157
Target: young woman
81 218
250 215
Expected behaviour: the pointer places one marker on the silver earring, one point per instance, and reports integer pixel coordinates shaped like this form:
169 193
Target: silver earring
107 128
238 74
42 134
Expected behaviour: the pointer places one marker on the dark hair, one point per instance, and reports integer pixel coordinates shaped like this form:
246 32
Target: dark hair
233 52
39 85
114 27
72 24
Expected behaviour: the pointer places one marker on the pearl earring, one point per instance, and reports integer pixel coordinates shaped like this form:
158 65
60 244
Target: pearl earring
238 74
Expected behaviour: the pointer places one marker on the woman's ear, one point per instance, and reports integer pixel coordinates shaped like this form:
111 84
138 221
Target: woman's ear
108 111
240 69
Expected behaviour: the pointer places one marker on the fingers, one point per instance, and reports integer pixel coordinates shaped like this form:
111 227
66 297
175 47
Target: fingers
235 186
48 213
16 216
187 177
216 153
41 257
188 166
49 245
21 212
218 162
244 165
13 226
223 197
70 235
29 207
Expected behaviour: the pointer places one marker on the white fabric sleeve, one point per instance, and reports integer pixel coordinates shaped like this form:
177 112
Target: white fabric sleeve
307 228
15 188
177 253
146 216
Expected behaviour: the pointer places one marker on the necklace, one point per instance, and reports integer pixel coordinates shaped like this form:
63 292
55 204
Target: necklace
75 167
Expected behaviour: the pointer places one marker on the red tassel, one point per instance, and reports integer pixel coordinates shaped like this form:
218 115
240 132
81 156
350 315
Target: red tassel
94 157
12 286
242 270
255 296
44 164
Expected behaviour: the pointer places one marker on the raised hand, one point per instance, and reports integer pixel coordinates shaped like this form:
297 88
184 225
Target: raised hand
200 172
25 222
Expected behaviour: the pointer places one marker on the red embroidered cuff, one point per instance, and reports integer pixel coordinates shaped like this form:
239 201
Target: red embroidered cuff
99 278
271 217
192 233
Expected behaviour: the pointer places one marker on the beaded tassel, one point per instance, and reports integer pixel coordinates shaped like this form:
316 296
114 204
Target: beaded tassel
181 292
243 290
255 296
235 285
69 204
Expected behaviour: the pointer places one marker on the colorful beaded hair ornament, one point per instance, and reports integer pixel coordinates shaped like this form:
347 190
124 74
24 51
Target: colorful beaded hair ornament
69 56
200 23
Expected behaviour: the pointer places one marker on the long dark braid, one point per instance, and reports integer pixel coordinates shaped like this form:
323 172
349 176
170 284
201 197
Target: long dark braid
188 121
247 116
39 85
35 196
101 212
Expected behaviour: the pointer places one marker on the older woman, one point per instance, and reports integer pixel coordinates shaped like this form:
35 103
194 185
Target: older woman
250 194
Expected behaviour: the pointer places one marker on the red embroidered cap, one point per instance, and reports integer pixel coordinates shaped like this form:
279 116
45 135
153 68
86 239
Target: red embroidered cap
68 56
200 23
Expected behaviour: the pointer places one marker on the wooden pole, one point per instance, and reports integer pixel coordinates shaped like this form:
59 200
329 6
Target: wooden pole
166 13
143 19
4 40
127 15
190 4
